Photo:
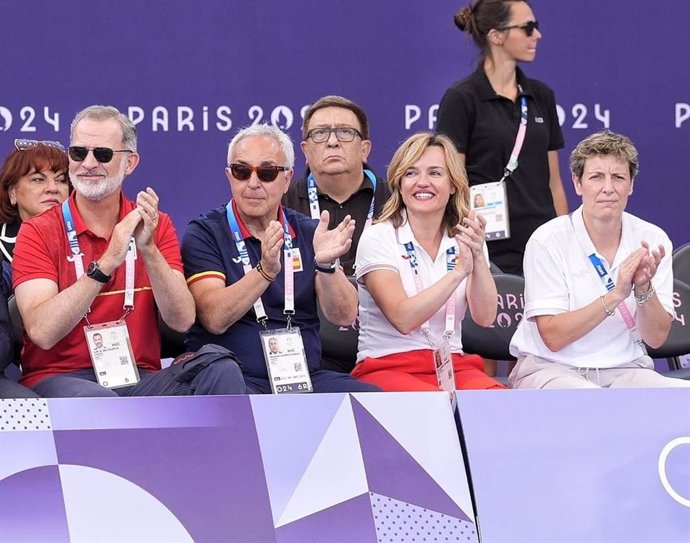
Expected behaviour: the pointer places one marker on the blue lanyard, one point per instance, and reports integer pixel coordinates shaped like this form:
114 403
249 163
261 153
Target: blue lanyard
289 303
315 209
602 273
237 235
72 240
609 284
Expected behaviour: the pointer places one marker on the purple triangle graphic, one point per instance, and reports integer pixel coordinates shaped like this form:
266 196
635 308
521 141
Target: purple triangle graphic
393 472
349 521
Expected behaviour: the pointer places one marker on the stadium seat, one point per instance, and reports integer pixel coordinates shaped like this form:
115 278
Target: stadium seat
678 342
493 342
339 343
172 342
17 326
681 263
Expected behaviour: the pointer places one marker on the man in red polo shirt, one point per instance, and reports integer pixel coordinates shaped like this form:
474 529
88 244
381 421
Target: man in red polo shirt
91 276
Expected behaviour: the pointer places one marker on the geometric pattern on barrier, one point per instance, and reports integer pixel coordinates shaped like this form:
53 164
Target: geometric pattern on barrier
348 522
252 469
391 470
299 459
167 473
414 434
23 415
102 506
357 464
400 522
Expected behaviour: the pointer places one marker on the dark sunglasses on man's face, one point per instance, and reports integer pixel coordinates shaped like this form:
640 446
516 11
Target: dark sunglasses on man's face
242 172
103 155
529 27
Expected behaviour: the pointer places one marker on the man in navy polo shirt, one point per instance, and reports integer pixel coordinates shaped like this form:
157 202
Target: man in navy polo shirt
257 270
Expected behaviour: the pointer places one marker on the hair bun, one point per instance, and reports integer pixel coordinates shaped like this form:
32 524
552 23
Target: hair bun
463 19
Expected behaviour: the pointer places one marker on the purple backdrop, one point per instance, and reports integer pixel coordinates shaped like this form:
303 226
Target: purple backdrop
192 73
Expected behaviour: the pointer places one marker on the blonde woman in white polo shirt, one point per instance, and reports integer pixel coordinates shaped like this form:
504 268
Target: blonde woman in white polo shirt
418 269
597 283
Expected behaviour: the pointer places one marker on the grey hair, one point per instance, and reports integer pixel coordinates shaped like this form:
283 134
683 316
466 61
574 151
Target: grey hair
265 129
102 113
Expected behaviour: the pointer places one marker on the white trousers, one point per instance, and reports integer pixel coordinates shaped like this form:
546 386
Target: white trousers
534 372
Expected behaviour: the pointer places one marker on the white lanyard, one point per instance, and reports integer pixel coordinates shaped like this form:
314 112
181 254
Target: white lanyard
450 303
289 278
315 209
78 261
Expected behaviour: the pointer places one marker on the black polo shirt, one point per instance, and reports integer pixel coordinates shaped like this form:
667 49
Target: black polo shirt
357 206
483 125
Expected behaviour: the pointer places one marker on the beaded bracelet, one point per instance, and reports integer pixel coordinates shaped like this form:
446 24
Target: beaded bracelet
642 298
263 273
609 312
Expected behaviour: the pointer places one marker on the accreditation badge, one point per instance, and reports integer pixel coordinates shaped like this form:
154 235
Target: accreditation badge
111 354
286 361
443 363
490 200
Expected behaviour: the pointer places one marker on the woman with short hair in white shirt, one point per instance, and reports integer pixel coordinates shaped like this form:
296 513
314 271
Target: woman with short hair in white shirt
598 283
418 269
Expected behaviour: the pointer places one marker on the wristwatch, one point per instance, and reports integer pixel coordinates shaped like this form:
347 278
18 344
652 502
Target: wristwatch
94 272
329 268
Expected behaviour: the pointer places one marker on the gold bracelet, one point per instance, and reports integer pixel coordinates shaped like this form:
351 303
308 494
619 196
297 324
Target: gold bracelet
642 298
609 312
263 273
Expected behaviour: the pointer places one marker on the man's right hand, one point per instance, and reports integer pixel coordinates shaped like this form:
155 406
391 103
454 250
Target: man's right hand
271 246
119 242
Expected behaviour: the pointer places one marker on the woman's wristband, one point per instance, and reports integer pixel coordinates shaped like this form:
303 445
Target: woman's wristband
644 297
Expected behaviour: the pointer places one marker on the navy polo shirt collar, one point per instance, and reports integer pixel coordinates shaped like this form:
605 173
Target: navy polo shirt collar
246 234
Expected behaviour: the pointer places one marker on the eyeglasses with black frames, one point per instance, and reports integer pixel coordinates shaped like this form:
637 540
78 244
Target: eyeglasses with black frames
342 133
267 174
529 27
78 153
24 144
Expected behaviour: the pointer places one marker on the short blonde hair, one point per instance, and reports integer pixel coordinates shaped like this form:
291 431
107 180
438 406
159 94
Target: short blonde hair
604 143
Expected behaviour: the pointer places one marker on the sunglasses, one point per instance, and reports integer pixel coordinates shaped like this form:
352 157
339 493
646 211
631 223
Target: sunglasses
242 172
25 145
78 153
529 27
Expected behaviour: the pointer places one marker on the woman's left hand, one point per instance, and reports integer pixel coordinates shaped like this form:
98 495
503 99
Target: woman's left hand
472 234
646 269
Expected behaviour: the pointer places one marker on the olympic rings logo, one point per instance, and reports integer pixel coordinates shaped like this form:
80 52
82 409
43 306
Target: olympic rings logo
662 469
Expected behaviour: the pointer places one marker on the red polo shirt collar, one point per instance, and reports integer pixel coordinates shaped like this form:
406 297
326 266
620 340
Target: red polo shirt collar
79 224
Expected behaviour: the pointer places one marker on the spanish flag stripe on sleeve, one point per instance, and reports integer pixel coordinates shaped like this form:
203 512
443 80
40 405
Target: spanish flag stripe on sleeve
205 275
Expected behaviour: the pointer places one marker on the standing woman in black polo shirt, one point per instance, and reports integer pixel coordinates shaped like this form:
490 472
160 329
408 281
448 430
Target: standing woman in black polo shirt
482 114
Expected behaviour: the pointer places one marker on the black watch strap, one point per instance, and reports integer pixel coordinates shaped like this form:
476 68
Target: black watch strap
94 272
331 268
